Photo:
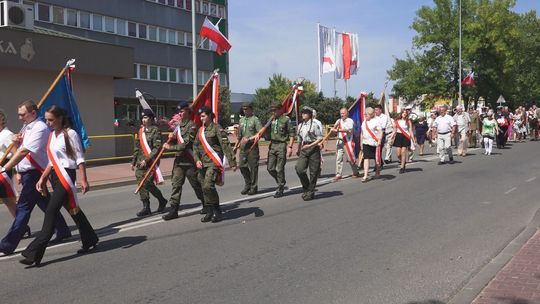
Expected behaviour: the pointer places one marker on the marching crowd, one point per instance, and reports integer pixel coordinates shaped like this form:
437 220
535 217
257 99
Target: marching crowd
51 151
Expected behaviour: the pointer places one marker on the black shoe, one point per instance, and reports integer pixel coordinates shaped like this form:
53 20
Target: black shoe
245 191
252 192
29 262
451 161
386 161
59 239
216 214
208 216
162 205
309 196
440 163
279 192
145 211
27 233
173 213
204 210
401 170
87 249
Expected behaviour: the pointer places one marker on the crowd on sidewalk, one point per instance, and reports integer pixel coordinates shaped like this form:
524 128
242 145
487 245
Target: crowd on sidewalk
203 152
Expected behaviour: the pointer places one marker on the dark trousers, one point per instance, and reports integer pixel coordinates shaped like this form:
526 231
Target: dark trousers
59 198
309 159
29 197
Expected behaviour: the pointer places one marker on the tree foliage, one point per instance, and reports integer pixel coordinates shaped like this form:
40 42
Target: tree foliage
224 106
500 45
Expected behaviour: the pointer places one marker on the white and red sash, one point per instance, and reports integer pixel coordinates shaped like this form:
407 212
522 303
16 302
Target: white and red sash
30 158
348 144
63 176
214 156
158 177
180 140
377 149
8 185
402 131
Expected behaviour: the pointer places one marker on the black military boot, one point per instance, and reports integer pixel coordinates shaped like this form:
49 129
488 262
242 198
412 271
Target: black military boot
217 215
145 211
245 190
173 213
279 192
162 205
208 216
204 210
252 191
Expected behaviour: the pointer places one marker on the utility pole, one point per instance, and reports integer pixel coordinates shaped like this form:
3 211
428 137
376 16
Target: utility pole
194 49
459 94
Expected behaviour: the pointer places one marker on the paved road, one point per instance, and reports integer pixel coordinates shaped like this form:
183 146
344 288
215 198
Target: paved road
412 238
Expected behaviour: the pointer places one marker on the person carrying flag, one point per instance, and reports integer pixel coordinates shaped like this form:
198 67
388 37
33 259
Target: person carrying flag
147 145
184 163
30 161
344 145
210 146
249 153
281 132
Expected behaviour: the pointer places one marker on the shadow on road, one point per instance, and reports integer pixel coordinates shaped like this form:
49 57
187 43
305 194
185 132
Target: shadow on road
107 245
242 212
427 302
407 170
327 194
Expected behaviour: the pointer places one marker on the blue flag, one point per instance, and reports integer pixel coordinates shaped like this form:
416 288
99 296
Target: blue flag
62 96
356 113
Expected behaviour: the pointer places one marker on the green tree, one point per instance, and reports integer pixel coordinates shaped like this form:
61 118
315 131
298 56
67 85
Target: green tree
224 106
278 88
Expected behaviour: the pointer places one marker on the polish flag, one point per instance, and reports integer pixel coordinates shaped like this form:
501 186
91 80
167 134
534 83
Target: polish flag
469 80
210 31
326 49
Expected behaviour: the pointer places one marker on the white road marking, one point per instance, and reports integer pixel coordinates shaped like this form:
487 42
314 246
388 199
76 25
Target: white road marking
511 190
531 179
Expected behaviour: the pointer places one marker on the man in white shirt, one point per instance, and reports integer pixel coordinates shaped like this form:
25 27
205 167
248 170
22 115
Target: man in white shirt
387 128
344 127
463 123
444 130
30 160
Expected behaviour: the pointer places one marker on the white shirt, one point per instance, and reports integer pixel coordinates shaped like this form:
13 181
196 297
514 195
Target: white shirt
404 125
375 127
444 123
348 125
383 121
5 140
58 146
35 136
462 121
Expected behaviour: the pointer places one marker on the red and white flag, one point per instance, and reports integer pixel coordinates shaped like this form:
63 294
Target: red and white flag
208 97
346 55
210 31
326 50
469 80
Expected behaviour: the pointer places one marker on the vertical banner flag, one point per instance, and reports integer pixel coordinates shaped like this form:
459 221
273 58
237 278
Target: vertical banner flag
346 46
338 47
347 56
62 96
219 43
355 54
326 49
356 113
208 97
469 80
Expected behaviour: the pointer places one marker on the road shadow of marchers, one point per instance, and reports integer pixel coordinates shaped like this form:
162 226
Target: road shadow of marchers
427 302
408 170
242 212
107 245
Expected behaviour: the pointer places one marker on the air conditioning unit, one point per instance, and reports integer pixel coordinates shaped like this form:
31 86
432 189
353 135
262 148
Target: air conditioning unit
16 15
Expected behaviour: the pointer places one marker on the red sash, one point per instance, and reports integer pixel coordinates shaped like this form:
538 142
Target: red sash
377 148
8 185
63 176
349 145
158 177
402 131
180 140
213 156
29 157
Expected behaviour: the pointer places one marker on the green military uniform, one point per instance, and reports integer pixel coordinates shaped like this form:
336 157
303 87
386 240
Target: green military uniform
249 126
153 137
281 129
184 163
208 175
309 132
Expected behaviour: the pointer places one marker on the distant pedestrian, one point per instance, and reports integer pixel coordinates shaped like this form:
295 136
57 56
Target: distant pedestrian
504 124
421 131
463 123
474 127
432 116
403 138
517 125
371 140
444 129
387 132
489 131
532 118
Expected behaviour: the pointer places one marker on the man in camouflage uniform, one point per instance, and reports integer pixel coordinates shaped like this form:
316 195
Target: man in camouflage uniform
249 160
208 170
309 137
184 163
281 131
140 163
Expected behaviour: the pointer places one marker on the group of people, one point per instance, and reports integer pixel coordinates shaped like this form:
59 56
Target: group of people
51 150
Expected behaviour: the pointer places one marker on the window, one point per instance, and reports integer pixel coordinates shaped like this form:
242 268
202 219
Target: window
205 44
44 13
189 77
121 27
163 74
153 73
172 37
223 79
181 38
132 29
222 12
162 1
172 74
213 10
72 17
97 22
58 15
171 2
162 35
189 40
109 25
197 6
142 31
202 77
152 33
135 71
182 76
204 8
188 5
180 3
143 71
84 19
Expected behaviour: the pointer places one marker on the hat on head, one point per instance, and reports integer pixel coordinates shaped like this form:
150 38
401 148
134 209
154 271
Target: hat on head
409 107
205 110
148 113
182 105
307 110
247 105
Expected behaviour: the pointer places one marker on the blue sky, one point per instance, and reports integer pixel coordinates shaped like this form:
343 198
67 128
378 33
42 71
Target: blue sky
280 36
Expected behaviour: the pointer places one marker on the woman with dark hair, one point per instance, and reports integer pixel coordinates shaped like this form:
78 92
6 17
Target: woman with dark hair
65 154
421 129
403 138
210 147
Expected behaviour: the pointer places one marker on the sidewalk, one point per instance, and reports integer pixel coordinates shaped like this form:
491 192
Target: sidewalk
518 282
107 176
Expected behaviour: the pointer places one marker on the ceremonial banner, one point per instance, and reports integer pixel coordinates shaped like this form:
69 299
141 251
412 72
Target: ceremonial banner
326 50
208 97
356 113
469 80
346 55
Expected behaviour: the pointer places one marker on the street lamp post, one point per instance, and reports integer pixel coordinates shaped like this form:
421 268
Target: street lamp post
459 84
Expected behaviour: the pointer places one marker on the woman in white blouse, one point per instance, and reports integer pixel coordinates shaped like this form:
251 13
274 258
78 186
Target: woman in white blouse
371 139
403 138
65 156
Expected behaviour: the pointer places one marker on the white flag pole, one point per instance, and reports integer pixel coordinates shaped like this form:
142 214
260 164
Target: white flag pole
319 52
194 48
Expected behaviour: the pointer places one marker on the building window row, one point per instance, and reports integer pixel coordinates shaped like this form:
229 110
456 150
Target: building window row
201 7
174 75
111 25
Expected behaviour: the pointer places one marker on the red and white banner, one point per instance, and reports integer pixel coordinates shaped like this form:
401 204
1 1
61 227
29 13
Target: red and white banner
292 101
63 176
208 97
158 177
346 55
326 50
348 143
214 156
180 140
8 185
469 80
212 32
